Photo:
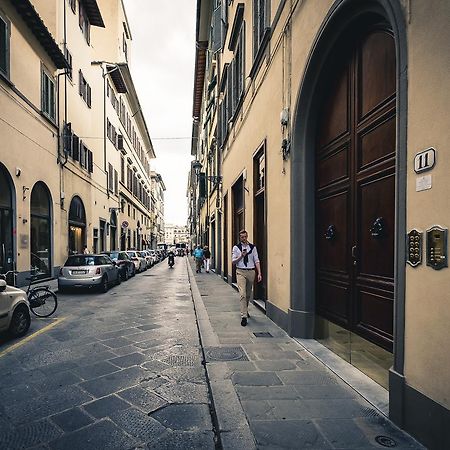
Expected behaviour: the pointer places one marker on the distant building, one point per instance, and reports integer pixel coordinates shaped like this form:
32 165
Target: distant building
176 234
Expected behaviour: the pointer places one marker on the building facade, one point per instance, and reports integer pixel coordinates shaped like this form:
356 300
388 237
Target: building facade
79 173
176 234
158 188
320 127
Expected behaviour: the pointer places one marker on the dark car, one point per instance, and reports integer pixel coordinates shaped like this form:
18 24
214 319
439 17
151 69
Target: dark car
124 264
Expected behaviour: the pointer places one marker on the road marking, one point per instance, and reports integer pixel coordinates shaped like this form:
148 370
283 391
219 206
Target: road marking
31 336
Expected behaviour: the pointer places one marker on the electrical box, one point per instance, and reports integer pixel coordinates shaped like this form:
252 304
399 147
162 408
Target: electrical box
414 248
437 257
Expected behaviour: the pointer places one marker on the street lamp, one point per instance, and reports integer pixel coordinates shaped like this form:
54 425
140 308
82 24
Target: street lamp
197 165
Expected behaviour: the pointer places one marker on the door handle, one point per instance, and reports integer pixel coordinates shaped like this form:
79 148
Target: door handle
354 255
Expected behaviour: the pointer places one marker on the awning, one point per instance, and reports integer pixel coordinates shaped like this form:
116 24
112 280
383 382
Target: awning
40 31
93 13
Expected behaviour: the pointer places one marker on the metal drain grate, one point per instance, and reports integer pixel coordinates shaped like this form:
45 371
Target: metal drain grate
182 360
225 354
386 441
264 334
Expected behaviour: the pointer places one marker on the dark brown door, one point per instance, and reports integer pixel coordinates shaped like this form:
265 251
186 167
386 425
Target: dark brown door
259 221
355 189
225 236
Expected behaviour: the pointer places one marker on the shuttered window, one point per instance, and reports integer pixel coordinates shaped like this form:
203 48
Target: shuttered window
4 46
260 23
47 95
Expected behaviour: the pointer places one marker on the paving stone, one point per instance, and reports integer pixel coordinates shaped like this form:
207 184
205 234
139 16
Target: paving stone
241 366
288 434
71 420
306 378
184 417
183 392
342 433
267 393
150 326
29 435
113 382
17 393
325 392
56 381
128 349
133 359
101 435
155 366
52 369
178 440
255 379
96 370
275 366
259 410
24 377
117 342
151 343
142 398
105 406
116 334
191 374
49 403
139 424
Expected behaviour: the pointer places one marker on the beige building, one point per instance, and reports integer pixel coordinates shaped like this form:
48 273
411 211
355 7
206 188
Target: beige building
176 234
320 126
157 189
79 173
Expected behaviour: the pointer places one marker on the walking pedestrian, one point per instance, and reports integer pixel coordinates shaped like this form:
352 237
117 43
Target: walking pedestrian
245 258
198 255
207 258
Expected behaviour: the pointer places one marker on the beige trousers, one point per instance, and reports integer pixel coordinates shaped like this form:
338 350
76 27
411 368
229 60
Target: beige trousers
245 280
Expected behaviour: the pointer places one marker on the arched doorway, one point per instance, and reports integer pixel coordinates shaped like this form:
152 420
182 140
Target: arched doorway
77 226
41 231
6 222
349 151
113 231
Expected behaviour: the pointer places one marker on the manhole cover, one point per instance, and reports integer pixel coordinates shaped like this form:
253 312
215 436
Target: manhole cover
263 334
386 441
225 354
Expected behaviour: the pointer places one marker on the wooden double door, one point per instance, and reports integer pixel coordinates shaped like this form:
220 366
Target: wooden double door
355 187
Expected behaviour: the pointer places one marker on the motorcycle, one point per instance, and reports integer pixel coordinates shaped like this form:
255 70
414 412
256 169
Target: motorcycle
171 261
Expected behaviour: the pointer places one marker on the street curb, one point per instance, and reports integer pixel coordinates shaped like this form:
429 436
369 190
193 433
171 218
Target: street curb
234 429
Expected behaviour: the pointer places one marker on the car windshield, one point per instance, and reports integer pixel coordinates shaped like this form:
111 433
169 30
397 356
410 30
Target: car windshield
132 254
82 260
114 255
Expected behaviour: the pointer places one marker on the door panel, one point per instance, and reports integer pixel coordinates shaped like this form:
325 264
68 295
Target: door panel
355 189
377 78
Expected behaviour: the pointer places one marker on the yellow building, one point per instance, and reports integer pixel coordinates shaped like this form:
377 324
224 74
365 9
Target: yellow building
75 150
328 119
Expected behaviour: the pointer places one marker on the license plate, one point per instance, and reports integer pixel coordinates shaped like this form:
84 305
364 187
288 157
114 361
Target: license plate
78 272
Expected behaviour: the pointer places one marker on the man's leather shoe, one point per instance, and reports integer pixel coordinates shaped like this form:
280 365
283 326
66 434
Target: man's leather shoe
244 321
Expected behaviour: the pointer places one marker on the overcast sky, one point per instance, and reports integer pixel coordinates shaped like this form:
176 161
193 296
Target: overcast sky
162 66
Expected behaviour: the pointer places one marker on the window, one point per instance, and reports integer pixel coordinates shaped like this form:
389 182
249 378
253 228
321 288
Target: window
259 23
84 89
5 31
238 71
122 170
116 182
125 47
110 178
48 95
68 56
84 23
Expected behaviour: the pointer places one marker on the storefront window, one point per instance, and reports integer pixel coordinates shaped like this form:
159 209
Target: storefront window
77 226
40 256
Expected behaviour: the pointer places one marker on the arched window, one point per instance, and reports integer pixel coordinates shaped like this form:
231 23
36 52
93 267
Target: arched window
77 226
6 219
40 230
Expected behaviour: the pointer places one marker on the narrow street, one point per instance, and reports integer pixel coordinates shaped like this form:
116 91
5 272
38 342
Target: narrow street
122 370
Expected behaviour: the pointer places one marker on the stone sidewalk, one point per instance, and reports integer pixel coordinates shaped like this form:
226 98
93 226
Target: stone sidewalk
269 391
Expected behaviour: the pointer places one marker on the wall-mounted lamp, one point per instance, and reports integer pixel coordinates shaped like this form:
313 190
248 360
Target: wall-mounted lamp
18 171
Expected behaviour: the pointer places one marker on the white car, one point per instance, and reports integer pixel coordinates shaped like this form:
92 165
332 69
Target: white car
14 310
139 262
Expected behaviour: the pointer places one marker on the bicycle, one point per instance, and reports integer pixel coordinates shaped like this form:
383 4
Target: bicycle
43 301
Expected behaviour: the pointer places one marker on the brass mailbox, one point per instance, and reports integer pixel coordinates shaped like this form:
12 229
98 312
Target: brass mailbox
414 248
437 247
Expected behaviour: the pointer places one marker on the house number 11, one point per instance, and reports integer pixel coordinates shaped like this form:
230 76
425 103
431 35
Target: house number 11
425 160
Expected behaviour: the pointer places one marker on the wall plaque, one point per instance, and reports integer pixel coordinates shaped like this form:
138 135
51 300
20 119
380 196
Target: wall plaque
425 160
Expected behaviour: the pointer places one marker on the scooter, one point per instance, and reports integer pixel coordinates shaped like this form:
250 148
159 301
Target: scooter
171 261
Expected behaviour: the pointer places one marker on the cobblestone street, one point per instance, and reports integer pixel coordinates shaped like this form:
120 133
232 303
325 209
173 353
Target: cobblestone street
124 370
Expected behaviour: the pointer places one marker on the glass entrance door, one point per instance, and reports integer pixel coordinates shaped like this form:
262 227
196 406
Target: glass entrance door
6 241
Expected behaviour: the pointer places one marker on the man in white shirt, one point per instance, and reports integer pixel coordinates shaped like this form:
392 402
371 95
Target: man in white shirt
245 258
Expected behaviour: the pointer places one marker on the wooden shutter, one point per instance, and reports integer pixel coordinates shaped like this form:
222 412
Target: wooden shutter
90 162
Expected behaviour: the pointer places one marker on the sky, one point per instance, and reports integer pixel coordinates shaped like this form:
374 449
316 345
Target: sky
162 66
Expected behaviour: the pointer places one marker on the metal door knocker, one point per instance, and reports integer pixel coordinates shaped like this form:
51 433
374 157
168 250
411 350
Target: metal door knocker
330 233
378 227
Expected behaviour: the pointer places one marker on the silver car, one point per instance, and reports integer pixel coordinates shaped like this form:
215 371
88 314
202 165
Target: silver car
88 271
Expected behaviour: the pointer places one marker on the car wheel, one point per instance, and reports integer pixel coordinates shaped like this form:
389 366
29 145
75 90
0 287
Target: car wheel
104 286
20 322
125 275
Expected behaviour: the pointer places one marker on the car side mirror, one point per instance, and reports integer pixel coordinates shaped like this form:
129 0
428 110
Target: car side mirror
114 263
2 285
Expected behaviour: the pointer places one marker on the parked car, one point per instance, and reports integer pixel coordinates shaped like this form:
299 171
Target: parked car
139 262
88 271
124 263
148 257
154 257
14 310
